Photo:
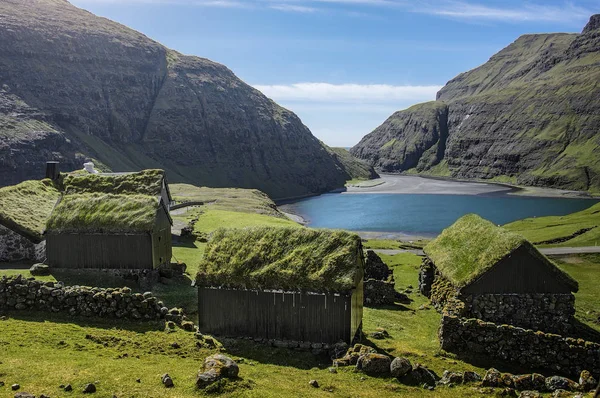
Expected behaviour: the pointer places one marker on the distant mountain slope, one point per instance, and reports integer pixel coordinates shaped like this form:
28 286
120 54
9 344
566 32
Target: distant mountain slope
530 115
77 86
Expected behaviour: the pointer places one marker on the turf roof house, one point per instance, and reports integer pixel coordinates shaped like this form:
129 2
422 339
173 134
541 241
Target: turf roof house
24 210
111 221
498 275
289 284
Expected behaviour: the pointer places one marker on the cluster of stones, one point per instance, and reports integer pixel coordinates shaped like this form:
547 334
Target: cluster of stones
534 349
548 312
366 359
531 385
14 247
378 281
19 293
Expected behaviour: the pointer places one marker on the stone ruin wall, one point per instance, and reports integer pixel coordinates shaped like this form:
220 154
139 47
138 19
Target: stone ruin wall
379 284
548 312
14 247
534 349
19 293
463 331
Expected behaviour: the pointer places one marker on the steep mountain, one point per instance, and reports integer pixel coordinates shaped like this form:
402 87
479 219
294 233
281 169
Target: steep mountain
530 115
75 86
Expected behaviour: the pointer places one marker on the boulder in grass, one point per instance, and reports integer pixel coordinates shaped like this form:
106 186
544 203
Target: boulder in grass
587 381
471 377
39 270
560 383
420 376
530 394
89 388
215 368
449 377
492 378
399 367
24 395
167 380
374 364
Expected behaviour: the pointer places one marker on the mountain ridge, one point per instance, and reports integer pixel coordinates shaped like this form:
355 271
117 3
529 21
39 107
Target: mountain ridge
528 116
108 93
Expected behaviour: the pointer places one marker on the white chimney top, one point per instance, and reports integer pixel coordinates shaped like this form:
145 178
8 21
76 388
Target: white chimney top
89 167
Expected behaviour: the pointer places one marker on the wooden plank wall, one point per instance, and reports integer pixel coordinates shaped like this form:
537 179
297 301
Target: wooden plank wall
99 251
316 318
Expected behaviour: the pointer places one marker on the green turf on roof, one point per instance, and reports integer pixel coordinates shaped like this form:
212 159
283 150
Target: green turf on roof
146 182
472 245
104 213
25 208
293 259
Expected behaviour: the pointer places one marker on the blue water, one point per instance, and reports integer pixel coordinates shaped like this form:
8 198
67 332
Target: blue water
423 214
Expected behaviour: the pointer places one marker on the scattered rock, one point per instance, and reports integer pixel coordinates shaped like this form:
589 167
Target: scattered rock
587 381
491 378
89 388
399 367
560 383
530 394
39 270
15 387
314 383
562 394
167 380
449 377
420 375
378 335
524 382
508 392
175 345
24 395
216 367
68 388
332 370
188 326
374 364
43 396
338 350
471 377
353 354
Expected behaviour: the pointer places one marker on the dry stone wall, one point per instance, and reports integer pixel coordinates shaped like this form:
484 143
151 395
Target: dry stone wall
535 349
547 312
379 284
19 293
14 247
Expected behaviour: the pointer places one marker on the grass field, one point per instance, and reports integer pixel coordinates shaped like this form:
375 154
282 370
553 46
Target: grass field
574 230
91 350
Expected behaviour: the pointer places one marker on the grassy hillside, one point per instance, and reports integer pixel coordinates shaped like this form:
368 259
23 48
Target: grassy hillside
573 230
356 169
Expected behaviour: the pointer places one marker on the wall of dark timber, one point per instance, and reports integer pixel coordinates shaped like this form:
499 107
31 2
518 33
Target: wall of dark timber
318 318
99 251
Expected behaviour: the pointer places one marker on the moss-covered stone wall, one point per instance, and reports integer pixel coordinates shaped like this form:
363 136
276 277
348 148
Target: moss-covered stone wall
534 349
547 312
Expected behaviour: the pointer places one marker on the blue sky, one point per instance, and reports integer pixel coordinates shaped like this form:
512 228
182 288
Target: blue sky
344 66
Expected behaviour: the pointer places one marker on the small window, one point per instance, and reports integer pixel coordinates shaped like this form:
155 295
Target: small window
159 238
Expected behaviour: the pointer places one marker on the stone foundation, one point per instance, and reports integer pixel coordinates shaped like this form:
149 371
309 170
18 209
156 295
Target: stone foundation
14 247
547 312
538 350
18 293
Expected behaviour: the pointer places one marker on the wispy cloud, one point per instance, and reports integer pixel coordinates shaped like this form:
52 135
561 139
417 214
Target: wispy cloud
455 9
348 93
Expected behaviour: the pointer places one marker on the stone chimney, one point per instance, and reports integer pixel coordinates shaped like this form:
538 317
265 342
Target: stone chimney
52 171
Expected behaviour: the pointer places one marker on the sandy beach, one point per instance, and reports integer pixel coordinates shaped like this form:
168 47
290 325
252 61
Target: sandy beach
407 184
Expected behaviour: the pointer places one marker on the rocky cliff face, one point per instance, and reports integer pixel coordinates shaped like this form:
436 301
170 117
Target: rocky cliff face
77 86
530 115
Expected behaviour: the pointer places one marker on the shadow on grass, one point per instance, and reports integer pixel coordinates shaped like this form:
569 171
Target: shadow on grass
265 354
391 307
183 242
17 265
583 331
101 323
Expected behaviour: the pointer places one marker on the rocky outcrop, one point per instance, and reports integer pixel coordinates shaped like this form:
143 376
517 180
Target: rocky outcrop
76 86
529 116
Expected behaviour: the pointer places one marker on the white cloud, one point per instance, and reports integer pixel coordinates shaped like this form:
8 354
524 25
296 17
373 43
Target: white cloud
293 8
349 93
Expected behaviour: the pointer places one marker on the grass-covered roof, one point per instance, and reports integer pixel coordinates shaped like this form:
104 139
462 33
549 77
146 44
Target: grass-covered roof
104 213
25 207
472 245
146 182
293 259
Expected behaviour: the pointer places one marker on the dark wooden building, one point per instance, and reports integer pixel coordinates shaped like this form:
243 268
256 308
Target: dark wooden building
292 284
111 221
498 275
